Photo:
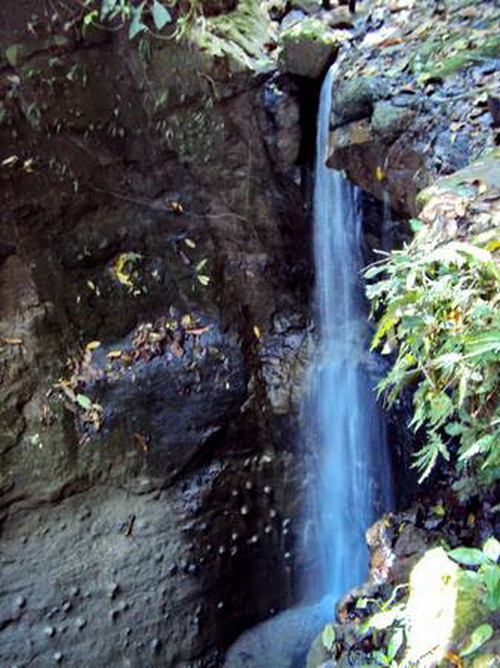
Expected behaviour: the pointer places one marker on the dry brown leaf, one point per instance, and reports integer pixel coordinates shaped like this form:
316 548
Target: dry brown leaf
14 341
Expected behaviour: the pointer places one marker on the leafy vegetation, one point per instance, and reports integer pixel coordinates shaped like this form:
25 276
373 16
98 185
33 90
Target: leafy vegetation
440 317
148 16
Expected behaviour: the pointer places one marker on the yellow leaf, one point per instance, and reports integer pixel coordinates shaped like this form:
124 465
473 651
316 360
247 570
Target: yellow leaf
379 174
257 332
92 345
10 161
189 243
114 354
176 207
187 321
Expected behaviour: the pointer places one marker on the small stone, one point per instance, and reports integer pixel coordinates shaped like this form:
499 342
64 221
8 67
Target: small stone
49 631
155 645
267 490
221 549
220 605
248 485
244 510
159 558
58 657
66 606
254 539
80 623
74 591
114 614
114 590
20 602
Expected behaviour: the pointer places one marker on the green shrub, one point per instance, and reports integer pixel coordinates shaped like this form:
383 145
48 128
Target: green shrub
440 316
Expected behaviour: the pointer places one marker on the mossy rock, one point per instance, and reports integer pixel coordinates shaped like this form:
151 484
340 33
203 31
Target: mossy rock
355 98
389 121
239 37
16 54
317 654
306 48
485 171
444 606
306 5
462 58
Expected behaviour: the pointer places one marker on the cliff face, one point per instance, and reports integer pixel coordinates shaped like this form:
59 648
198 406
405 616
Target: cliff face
151 204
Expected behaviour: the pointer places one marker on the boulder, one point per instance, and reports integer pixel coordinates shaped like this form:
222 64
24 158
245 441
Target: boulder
308 47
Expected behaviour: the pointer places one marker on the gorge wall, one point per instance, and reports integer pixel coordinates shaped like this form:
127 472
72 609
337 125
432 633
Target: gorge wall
151 202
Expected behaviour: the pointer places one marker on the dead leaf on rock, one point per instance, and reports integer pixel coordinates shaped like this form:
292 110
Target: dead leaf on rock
176 349
198 331
140 441
12 341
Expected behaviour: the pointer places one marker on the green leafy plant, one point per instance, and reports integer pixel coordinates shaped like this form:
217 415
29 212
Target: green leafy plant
488 572
145 17
440 318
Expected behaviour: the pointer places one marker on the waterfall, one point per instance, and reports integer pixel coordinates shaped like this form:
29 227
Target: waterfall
342 424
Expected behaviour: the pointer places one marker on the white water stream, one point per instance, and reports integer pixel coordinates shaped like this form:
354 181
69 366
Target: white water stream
343 425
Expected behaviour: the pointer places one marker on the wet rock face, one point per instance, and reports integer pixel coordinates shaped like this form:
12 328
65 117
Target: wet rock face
139 187
146 579
153 398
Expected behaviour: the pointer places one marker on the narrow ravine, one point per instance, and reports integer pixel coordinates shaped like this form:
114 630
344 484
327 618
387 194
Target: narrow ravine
343 424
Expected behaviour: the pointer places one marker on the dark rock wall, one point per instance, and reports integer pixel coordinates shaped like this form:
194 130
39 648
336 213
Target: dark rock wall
158 539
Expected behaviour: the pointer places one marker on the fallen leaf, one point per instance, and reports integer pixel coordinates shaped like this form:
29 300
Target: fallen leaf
114 354
190 243
198 331
257 332
141 442
176 349
176 207
187 321
92 345
10 161
84 401
12 341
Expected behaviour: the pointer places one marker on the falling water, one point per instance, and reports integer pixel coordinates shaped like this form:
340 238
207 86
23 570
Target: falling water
342 423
